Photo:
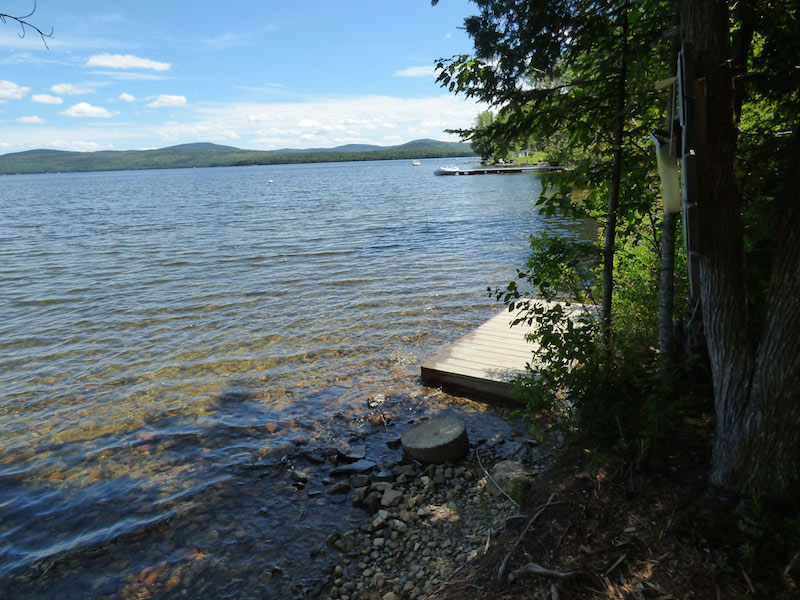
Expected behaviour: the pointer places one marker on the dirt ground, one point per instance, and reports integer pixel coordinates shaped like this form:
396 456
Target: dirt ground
598 528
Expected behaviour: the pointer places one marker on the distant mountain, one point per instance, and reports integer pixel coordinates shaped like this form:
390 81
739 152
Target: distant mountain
203 146
214 155
413 145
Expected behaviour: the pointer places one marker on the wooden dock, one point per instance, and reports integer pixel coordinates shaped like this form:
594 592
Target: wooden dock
483 362
502 170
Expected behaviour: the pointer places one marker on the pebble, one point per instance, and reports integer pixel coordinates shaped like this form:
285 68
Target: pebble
423 526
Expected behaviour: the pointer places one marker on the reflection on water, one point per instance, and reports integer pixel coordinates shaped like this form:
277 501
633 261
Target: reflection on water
170 339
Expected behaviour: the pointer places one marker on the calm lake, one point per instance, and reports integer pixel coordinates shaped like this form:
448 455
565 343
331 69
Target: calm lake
170 339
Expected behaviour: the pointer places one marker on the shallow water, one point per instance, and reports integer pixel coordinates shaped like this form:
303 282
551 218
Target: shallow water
171 340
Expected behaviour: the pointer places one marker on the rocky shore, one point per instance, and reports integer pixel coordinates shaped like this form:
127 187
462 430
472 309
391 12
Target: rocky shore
422 525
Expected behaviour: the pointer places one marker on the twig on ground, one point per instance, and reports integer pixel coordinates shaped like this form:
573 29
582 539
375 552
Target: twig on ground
535 569
749 583
504 564
616 563
480 464
561 538
448 578
512 518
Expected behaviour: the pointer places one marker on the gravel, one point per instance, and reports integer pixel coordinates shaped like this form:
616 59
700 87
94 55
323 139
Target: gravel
427 524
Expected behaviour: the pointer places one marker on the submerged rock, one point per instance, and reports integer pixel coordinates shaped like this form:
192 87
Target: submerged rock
360 466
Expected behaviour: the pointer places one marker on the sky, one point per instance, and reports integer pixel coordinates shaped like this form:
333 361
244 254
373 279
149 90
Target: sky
255 74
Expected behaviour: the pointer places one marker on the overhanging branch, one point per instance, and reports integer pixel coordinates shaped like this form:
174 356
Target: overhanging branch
24 24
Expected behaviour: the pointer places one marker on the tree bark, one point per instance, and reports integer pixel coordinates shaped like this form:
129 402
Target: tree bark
616 178
704 25
666 300
772 418
666 291
757 438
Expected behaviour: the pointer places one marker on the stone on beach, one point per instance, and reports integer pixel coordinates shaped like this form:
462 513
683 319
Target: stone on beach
509 475
360 466
437 440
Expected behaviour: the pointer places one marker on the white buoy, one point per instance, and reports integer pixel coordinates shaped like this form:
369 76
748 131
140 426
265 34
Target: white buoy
270 181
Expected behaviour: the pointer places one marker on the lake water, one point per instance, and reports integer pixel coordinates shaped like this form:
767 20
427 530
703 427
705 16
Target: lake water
169 340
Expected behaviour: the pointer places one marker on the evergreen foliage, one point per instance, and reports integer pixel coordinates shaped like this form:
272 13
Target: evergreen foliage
584 70
543 64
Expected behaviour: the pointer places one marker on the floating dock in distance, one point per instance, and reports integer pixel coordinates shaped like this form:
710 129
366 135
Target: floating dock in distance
498 170
483 362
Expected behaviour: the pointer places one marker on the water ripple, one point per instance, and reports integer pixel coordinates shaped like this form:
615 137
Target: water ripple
165 333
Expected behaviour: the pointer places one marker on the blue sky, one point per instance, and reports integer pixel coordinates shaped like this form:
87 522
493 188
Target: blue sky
253 74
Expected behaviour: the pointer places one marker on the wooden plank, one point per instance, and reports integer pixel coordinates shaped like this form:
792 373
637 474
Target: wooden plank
488 353
473 370
483 362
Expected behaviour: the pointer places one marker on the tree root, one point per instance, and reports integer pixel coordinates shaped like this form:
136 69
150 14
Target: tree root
534 569
501 571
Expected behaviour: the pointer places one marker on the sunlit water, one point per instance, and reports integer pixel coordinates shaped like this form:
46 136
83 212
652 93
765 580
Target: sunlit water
170 339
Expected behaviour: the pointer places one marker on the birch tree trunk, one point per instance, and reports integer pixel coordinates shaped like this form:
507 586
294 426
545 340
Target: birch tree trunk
666 301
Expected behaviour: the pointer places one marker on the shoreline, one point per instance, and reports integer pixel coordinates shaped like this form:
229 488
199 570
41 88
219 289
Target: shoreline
422 525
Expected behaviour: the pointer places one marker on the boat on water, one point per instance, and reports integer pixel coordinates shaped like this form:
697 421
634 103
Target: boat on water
446 171
415 163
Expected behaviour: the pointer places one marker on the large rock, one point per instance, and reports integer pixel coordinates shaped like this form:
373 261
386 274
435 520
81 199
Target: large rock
511 476
437 440
391 497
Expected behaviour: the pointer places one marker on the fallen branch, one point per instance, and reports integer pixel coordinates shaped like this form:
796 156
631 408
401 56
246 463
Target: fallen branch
553 591
561 538
534 569
501 571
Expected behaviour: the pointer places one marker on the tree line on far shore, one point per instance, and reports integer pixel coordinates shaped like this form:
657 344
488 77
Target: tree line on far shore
56 161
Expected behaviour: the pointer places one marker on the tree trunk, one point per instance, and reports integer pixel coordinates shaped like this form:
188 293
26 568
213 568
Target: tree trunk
757 437
666 289
666 298
616 177
704 25
771 454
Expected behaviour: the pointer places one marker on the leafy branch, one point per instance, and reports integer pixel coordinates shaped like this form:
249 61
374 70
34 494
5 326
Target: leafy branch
23 22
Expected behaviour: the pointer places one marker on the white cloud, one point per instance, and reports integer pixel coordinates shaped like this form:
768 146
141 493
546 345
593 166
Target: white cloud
267 88
47 99
126 97
70 89
331 122
84 109
382 120
11 91
167 100
126 61
416 72
78 145
32 120
130 75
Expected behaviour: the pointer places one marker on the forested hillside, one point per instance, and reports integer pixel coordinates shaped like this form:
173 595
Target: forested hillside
212 155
